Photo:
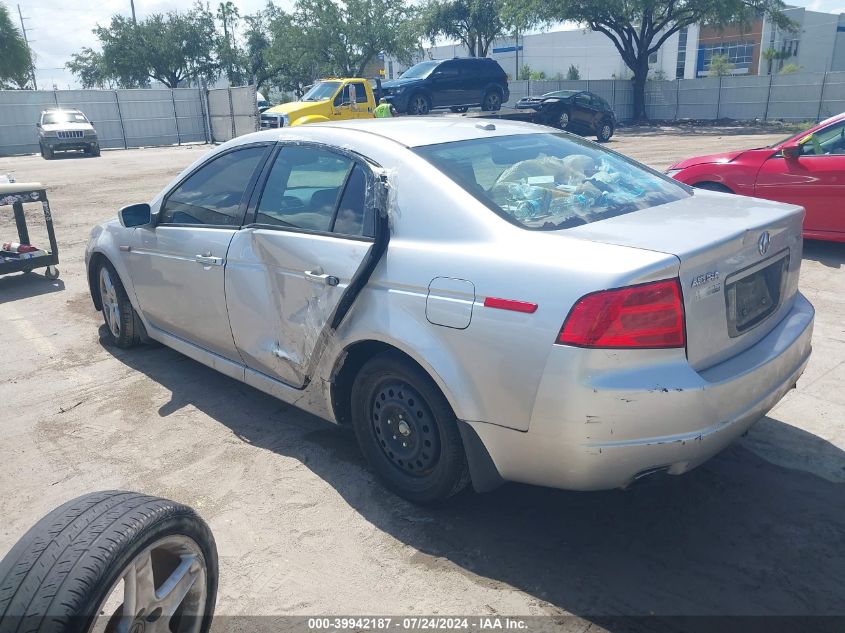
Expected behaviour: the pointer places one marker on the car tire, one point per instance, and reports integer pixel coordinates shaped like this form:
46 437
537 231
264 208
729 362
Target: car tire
419 104
122 322
407 431
492 101
563 120
94 151
47 153
605 131
713 186
70 566
460 109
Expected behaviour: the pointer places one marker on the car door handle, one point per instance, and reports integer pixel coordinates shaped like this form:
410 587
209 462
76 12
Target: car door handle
321 278
207 260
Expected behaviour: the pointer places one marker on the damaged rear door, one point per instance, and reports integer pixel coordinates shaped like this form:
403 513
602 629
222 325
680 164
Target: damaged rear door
311 238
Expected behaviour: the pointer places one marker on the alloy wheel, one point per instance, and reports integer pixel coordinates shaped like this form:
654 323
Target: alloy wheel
110 302
605 132
492 102
405 429
564 120
420 105
166 579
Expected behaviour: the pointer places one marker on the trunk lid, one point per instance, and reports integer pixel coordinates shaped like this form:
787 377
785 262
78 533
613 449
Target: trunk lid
739 264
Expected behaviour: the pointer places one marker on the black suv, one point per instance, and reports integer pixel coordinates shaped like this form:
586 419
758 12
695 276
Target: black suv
456 84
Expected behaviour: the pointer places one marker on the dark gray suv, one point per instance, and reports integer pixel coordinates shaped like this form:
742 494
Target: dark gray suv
457 84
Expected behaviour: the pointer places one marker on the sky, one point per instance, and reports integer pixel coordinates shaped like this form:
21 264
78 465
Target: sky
59 28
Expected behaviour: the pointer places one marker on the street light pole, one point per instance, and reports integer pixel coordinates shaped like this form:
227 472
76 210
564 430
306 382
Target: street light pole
29 50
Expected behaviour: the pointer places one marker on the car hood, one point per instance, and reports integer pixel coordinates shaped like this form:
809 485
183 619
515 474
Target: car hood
399 83
724 157
300 108
66 127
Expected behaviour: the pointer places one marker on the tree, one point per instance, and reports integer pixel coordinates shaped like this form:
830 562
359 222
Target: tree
289 64
89 68
346 36
257 41
573 72
638 28
227 48
720 65
15 60
170 48
789 69
771 55
475 23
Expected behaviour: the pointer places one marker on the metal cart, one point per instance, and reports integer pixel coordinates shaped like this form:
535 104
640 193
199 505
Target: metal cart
17 194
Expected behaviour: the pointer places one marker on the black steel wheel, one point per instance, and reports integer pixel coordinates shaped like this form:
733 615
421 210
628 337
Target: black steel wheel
404 428
419 104
407 430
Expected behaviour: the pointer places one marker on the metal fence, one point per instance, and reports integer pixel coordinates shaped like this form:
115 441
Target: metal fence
795 97
133 118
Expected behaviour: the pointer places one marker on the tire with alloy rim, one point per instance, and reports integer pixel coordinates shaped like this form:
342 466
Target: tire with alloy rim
605 131
419 104
407 430
111 561
563 120
118 313
492 101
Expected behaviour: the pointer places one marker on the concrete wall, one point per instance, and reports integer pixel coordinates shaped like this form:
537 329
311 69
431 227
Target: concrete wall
132 118
795 97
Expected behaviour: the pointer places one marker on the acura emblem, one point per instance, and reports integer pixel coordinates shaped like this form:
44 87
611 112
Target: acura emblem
763 242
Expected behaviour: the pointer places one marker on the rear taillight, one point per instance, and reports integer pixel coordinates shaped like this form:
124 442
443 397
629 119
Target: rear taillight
645 316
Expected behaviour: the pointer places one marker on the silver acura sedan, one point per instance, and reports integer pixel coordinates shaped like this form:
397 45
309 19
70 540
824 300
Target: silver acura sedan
482 302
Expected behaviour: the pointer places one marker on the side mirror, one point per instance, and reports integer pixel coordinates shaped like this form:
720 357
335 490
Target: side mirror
791 150
135 215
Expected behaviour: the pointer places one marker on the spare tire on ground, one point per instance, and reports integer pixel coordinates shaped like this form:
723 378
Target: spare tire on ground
111 561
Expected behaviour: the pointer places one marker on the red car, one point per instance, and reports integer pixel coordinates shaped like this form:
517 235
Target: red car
806 169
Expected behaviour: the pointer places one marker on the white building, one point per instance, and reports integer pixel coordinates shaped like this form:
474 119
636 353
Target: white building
817 45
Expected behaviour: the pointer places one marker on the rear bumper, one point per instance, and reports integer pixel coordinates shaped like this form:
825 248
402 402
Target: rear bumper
603 417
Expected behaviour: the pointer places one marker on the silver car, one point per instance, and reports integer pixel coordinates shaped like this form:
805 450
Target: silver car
480 301
63 129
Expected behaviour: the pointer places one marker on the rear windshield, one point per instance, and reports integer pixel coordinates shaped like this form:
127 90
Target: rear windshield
551 181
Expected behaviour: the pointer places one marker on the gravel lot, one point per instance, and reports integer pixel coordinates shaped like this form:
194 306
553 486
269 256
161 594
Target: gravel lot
300 523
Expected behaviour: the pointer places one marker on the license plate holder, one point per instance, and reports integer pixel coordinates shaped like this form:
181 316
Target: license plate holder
752 295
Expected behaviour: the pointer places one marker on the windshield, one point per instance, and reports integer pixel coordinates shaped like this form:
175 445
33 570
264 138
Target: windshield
419 71
63 117
321 91
551 181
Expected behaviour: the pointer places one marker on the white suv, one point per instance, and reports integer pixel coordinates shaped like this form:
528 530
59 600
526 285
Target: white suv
65 129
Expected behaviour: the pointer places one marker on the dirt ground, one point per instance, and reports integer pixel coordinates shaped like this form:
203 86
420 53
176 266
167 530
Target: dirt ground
302 526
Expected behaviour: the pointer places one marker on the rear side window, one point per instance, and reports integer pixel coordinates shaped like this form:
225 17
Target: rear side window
212 194
550 181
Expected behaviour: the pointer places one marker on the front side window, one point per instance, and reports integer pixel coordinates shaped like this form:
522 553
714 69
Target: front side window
212 194
550 181
825 142
308 187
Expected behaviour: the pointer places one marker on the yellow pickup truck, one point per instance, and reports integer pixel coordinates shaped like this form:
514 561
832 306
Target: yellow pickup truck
331 99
